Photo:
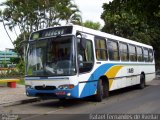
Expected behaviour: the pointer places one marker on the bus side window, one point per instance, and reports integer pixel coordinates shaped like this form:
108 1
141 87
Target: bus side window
132 53
146 57
113 50
101 48
150 55
124 51
140 54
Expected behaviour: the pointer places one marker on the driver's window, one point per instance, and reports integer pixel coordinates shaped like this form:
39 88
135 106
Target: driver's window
85 56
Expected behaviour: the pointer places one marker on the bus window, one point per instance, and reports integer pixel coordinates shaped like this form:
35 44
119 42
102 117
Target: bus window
101 50
145 51
139 54
132 53
113 50
124 52
150 55
85 57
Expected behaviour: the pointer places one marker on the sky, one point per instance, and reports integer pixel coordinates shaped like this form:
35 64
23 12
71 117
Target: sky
90 10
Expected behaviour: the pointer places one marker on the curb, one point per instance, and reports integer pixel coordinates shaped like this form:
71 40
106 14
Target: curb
20 102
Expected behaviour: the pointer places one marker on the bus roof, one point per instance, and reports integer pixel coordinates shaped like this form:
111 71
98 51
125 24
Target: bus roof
110 36
101 34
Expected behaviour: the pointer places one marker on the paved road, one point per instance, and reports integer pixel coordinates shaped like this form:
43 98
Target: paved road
129 100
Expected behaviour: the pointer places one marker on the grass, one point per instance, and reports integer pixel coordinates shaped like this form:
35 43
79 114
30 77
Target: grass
21 82
3 84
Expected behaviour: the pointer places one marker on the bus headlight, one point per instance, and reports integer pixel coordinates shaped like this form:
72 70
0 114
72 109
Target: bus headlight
28 87
66 86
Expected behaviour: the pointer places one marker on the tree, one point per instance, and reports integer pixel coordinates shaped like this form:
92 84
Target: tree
93 25
4 64
2 20
138 20
71 13
32 15
19 47
15 60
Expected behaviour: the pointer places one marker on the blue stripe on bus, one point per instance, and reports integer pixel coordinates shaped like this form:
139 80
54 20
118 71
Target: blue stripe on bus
91 87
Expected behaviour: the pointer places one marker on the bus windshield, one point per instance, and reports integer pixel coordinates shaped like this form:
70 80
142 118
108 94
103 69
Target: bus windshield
51 57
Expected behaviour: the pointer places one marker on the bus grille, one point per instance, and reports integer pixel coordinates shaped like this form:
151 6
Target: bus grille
45 87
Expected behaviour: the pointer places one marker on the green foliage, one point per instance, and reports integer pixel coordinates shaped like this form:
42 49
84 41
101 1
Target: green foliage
93 25
21 67
22 82
32 15
19 47
4 64
138 20
17 72
10 73
15 60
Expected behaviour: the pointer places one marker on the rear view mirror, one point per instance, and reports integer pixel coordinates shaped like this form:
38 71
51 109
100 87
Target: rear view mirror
82 40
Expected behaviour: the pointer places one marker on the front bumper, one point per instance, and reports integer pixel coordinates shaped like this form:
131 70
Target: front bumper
57 93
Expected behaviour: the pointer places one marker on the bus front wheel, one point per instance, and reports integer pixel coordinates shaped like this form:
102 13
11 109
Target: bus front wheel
99 95
105 89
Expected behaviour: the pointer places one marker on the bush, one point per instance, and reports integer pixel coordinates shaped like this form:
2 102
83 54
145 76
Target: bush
10 73
17 72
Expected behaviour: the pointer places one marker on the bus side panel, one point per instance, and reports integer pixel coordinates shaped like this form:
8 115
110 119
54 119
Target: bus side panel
150 72
87 89
114 71
124 78
88 82
120 76
83 91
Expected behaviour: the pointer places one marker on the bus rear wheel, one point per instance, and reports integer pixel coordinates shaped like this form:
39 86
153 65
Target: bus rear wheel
142 82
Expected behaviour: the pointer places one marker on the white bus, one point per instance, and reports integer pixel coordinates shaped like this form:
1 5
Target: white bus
74 62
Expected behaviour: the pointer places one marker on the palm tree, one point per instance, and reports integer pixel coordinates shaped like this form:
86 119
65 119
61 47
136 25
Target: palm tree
71 13
32 15
2 20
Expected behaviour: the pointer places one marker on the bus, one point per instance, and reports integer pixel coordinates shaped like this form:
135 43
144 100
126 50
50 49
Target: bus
73 61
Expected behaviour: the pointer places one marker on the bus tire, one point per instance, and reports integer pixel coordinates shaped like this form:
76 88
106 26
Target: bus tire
62 99
142 81
99 95
105 90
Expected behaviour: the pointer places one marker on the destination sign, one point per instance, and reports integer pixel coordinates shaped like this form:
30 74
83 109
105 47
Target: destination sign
56 31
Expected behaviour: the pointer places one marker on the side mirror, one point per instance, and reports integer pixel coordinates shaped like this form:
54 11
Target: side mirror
82 40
